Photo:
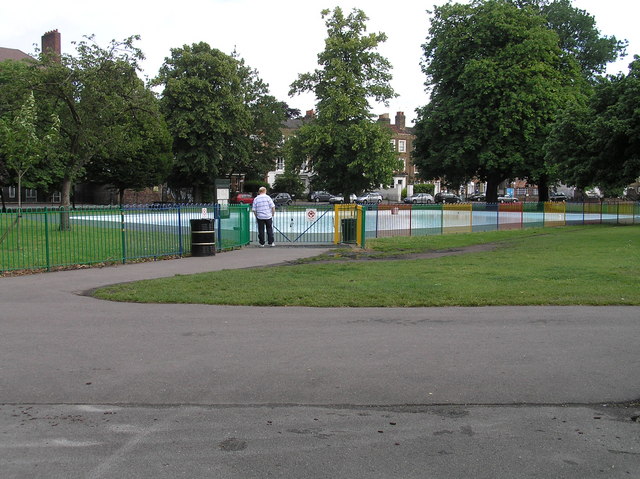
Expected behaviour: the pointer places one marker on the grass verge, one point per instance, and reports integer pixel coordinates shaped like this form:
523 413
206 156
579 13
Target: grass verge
584 265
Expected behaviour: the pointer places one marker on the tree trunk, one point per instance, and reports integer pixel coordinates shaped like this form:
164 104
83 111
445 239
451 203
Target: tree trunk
543 188
120 196
65 224
492 189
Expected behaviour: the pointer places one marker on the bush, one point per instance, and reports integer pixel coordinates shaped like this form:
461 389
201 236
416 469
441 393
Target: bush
252 186
420 188
288 183
424 188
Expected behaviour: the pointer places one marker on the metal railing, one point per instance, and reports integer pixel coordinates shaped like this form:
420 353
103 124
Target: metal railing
42 238
419 220
53 238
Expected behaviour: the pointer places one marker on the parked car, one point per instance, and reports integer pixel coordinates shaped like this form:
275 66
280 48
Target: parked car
339 199
241 198
478 197
281 199
369 198
507 199
558 197
447 198
319 196
419 198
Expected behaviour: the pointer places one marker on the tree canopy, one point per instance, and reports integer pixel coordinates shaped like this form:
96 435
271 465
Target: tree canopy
344 147
598 143
142 156
96 95
220 115
23 148
500 72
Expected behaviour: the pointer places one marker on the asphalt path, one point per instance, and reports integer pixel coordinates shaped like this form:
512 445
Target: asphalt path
91 388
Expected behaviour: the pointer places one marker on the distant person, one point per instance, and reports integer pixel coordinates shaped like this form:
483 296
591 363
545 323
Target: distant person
264 209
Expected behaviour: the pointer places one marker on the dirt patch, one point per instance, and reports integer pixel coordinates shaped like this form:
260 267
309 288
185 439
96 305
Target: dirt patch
364 255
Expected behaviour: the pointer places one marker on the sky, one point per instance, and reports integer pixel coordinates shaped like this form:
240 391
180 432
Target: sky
278 38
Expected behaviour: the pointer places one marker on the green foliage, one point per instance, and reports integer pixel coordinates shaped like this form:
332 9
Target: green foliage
579 37
498 79
420 188
348 152
220 116
23 150
142 157
424 188
95 94
289 183
596 143
252 186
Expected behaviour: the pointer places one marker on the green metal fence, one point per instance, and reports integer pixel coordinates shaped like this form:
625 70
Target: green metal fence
51 238
34 239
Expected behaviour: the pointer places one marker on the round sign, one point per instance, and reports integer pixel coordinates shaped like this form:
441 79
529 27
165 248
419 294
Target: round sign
311 215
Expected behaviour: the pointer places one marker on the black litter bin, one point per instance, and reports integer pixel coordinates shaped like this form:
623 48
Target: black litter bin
203 238
348 226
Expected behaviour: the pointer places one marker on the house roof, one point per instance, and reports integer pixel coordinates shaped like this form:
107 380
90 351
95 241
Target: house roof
13 54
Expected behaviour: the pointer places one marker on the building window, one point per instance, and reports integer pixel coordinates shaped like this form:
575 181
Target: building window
31 194
402 146
12 192
56 197
279 164
393 145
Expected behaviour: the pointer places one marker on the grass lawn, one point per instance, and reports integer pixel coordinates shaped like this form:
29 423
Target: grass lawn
581 265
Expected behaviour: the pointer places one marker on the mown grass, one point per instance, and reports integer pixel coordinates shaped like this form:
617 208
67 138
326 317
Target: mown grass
587 265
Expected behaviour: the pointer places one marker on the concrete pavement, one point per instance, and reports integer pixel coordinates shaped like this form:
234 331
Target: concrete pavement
90 388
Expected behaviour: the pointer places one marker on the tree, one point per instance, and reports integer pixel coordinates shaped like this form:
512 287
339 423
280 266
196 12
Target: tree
21 147
348 151
142 157
598 143
290 183
220 116
22 122
579 37
95 95
498 79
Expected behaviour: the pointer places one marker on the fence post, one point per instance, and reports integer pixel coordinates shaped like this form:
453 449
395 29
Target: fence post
124 240
180 247
46 237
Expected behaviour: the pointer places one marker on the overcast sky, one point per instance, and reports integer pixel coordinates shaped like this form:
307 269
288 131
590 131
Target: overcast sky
279 38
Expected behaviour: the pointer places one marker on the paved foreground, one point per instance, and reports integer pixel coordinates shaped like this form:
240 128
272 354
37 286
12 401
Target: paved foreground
93 389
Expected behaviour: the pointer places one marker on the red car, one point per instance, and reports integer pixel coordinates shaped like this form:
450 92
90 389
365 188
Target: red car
241 198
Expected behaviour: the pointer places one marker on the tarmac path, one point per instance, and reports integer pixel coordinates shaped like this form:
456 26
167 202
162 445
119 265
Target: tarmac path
91 388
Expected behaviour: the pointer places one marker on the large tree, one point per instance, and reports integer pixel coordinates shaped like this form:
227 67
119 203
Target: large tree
500 73
103 108
598 143
498 79
344 147
142 156
220 116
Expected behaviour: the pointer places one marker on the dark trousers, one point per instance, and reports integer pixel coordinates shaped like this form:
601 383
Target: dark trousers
268 224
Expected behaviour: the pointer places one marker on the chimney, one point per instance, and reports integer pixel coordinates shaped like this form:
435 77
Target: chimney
51 44
400 119
310 114
384 118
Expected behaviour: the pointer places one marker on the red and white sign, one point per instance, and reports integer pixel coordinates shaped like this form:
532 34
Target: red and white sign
311 215
205 214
